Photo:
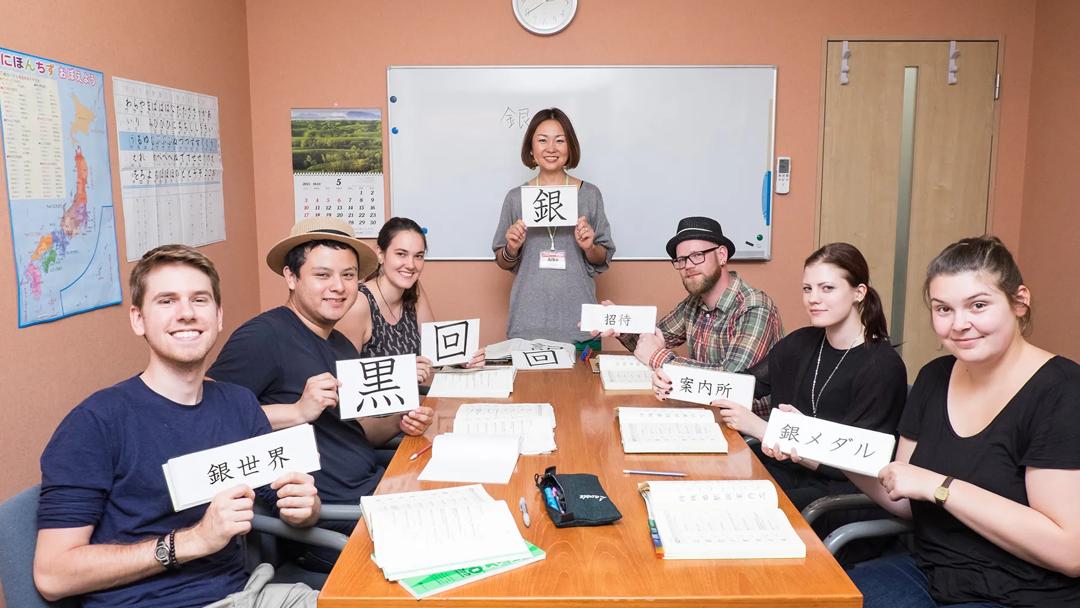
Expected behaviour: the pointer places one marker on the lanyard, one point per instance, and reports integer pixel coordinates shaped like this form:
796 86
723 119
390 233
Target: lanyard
551 229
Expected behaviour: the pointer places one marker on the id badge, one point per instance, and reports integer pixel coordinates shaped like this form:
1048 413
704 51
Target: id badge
554 259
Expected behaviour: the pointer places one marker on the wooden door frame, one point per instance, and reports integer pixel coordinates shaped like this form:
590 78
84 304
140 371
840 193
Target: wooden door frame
991 189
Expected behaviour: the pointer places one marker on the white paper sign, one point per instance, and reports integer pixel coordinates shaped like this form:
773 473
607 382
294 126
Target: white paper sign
377 386
623 319
450 342
549 205
704 386
194 479
542 359
845 447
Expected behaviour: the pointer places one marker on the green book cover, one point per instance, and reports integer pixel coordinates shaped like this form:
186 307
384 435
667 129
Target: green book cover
423 586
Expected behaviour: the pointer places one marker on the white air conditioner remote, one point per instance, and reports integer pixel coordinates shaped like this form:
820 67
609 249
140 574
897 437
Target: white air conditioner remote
783 174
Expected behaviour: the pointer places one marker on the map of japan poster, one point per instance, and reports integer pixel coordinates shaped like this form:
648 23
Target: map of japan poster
59 187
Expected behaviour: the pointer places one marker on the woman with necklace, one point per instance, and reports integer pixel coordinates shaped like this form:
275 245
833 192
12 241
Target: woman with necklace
554 268
988 462
386 320
841 368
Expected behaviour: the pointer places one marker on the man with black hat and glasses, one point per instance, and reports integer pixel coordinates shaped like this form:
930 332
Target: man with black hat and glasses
726 323
287 356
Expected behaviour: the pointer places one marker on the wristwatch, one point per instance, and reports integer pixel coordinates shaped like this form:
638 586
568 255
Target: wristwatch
941 493
165 553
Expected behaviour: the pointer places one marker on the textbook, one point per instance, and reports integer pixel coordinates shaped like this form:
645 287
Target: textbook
424 586
670 430
624 373
496 383
533 422
432 531
718 519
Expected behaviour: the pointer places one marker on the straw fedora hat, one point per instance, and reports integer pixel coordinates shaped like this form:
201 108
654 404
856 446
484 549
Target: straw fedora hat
322 229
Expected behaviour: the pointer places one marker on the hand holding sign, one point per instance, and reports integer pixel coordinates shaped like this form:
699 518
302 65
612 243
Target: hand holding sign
298 501
584 234
320 392
228 514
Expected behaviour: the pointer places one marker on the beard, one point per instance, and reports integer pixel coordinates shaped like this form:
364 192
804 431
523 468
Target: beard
707 282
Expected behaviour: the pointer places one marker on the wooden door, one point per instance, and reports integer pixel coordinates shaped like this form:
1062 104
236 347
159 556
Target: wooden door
901 187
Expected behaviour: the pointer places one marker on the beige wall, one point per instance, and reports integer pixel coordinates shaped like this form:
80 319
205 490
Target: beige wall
198 45
1049 237
304 59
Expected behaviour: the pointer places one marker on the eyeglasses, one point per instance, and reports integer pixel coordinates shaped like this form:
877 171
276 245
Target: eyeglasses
695 258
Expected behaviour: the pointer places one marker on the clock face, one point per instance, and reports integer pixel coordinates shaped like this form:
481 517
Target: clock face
544 17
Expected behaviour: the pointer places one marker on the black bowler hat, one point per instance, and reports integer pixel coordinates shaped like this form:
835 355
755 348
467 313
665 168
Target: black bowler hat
700 229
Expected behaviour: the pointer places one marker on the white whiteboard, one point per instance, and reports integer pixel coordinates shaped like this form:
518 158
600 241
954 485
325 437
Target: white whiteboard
661 143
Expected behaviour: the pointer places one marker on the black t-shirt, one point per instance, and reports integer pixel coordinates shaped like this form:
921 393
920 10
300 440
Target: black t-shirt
867 390
1039 427
273 355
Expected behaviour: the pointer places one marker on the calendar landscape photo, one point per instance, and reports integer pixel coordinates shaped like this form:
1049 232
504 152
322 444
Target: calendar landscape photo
337 141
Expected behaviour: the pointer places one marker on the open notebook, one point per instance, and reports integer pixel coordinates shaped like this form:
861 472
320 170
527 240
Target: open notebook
624 373
431 531
675 430
472 458
719 519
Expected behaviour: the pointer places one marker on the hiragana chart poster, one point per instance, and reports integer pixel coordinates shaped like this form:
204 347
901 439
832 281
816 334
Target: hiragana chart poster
170 166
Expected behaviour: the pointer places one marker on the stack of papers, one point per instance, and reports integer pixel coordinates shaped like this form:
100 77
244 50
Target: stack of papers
534 423
721 519
417 534
624 373
493 383
472 458
652 430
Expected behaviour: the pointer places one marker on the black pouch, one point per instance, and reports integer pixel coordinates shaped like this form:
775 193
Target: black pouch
575 499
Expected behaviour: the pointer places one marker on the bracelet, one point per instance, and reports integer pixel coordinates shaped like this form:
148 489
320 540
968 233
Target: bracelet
506 255
172 550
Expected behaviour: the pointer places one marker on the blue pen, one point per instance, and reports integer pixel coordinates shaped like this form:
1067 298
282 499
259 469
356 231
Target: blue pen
552 500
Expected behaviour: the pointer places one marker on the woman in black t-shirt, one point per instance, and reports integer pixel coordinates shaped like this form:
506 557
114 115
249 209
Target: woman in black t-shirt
841 368
988 463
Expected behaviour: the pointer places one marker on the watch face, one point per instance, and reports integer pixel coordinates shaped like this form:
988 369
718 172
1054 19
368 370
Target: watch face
544 16
941 494
161 552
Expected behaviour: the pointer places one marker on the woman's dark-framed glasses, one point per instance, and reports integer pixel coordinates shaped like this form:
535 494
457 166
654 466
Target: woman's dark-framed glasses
695 258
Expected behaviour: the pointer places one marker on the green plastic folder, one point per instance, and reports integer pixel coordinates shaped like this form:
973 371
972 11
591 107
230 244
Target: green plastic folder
423 586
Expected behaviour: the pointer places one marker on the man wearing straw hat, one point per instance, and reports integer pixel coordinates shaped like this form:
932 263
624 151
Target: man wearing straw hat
287 356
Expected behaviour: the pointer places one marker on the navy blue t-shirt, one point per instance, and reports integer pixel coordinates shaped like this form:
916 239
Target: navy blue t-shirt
102 468
273 355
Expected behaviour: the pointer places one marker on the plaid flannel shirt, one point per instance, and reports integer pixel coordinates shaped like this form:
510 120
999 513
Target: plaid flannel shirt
732 337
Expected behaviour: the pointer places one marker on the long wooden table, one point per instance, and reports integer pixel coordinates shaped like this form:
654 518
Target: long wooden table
612 564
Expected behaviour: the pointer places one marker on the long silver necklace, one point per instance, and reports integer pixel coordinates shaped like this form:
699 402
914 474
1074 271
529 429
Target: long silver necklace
397 317
814 401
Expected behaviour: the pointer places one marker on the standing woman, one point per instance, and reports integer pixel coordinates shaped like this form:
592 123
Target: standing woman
841 368
988 462
386 319
548 291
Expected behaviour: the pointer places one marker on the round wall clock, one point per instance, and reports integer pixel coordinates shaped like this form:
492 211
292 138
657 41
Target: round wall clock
544 17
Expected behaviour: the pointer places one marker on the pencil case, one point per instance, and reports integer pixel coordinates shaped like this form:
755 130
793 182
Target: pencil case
575 499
